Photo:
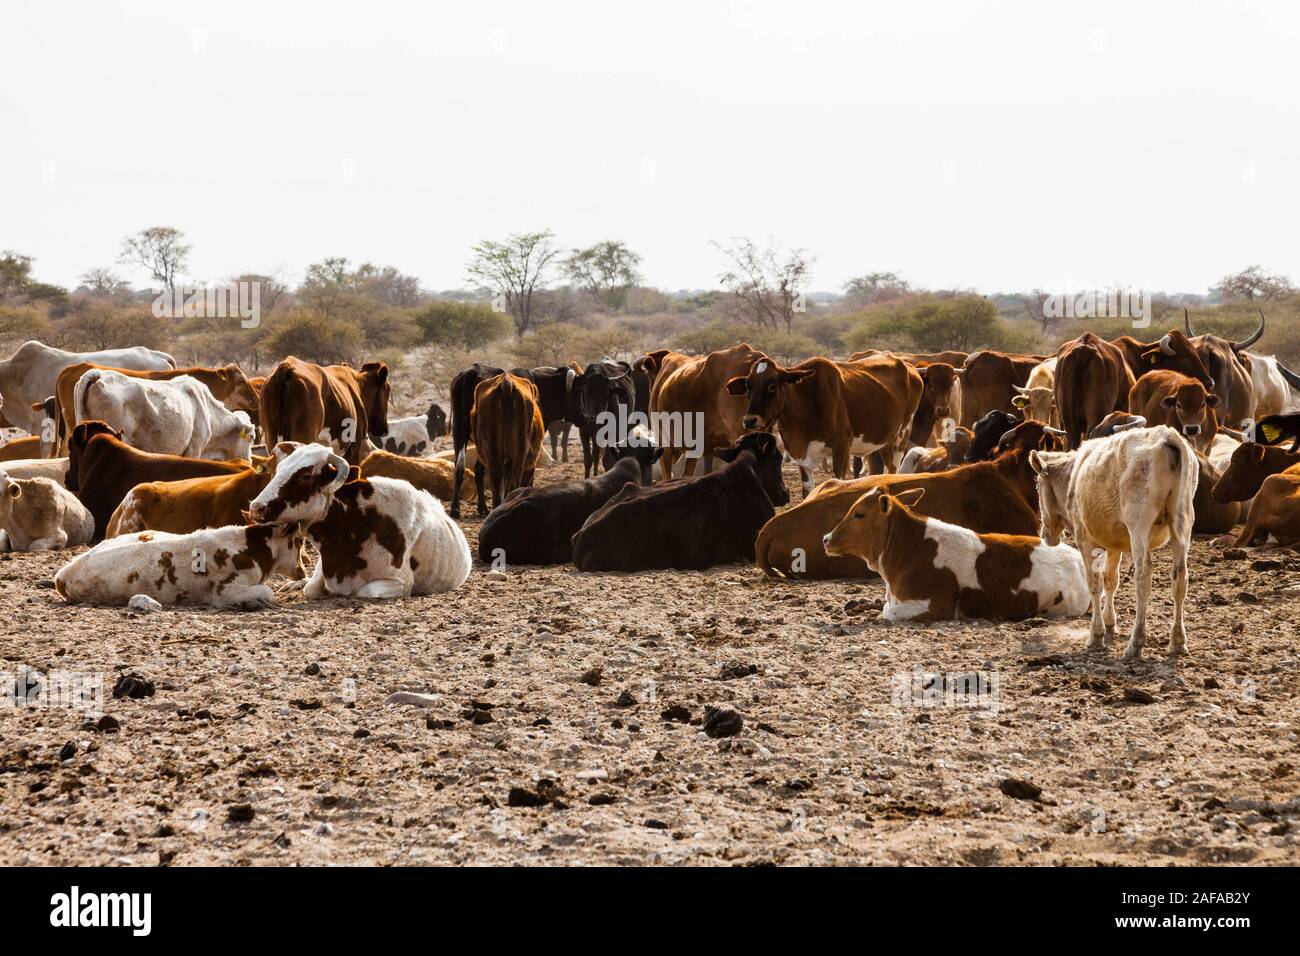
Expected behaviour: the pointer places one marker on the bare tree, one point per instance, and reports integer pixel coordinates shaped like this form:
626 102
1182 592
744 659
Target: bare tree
607 270
766 284
103 284
1253 283
161 250
511 271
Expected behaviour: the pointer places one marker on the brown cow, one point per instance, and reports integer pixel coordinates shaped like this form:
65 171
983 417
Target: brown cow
1172 352
850 408
434 475
1173 399
1251 463
181 507
1275 512
989 380
998 496
1212 516
506 425
102 469
955 359
335 405
21 448
1092 380
694 389
1229 364
227 384
942 396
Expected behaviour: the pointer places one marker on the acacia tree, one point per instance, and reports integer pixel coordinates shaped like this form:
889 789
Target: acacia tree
161 250
876 287
512 271
103 284
1254 283
766 283
607 270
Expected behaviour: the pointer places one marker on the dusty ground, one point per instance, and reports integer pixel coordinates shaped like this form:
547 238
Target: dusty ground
281 715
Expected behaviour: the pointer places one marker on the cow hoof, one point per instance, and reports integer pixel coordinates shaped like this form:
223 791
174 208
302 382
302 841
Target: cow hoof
1132 653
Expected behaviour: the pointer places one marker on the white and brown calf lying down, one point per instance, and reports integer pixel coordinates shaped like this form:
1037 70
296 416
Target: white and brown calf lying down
223 567
39 514
378 538
935 571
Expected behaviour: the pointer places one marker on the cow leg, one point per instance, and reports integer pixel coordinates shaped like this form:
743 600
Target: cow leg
252 597
458 477
857 466
1097 640
528 478
1141 551
1111 578
314 589
480 473
1181 541
840 462
383 589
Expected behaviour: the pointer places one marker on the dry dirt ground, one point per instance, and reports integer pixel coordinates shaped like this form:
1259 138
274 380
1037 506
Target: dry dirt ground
267 739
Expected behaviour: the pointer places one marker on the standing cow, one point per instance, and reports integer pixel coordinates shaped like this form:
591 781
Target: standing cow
506 423
335 404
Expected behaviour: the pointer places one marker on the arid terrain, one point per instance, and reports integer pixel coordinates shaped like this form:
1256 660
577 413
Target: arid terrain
564 725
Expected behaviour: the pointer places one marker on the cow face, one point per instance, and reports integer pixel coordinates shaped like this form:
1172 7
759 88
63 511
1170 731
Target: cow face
240 395
1191 410
862 530
767 385
237 441
374 395
435 422
1037 403
602 387
1030 436
1053 470
940 387
988 430
640 446
303 486
1246 471
1176 353
767 462
77 442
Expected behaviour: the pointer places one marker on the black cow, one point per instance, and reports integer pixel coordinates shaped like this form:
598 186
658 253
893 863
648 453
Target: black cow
435 422
602 389
536 525
988 432
692 523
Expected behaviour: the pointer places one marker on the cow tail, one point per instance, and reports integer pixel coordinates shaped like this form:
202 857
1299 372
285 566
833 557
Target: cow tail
275 398
1073 412
79 393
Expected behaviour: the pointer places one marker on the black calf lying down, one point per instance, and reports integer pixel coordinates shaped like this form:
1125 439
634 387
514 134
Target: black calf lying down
536 525
692 523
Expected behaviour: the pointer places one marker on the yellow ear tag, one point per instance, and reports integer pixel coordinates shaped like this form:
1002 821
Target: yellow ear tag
1271 433
1152 358
259 469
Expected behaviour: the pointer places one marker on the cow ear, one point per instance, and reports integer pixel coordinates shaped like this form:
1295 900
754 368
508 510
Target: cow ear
797 374
1152 356
1258 452
1169 401
224 374
248 519
354 473
1036 463
1212 400
738 385
14 490
885 503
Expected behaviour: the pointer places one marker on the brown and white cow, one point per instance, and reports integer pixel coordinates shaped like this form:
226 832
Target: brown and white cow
1092 380
335 404
691 390
1182 403
507 428
850 408
936 571
37 514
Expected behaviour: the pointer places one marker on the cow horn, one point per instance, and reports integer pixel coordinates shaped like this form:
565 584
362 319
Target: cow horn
569 376
1137 421
1021 389
1247 343
1187 323
343 468
1165 346
1059 433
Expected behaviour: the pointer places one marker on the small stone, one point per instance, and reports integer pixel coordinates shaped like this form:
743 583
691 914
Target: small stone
134 686
592 676
625 699
108 724
1020 789
67 751
1210 683
733 670
1265 564
312 669
676 712
410 697
722 723
361 733
240 813
595 773
1136 695
496 575
654 824
143 604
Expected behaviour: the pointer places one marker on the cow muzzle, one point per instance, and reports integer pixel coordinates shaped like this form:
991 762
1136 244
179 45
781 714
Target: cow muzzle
256 512
752 422
1191 430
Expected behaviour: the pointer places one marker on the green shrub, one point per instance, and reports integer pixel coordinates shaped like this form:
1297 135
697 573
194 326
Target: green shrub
462 325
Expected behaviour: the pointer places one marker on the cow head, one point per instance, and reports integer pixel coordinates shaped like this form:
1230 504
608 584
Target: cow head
237 391
1175 352
602 387
77 443
284 541
1191 411
305 481
1053 470
1029 436
1222 357
1250 464
1037 403
767 463
1117 422
767 385
373 380
435 421
863 529
236 441
639 445
988 430
940 387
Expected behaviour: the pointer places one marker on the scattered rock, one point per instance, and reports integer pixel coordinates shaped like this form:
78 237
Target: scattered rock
107 724
602 799
311 670
143 604
1049 660
67 751
679 713
722 723
1019 789
1265 564
134 686
548 791
1234 554
240 813
360 733
595 773
625 699
654 824
1210 684
591 676
436 723
310 703
733 670
496 575
410 697
1136 695
1094 684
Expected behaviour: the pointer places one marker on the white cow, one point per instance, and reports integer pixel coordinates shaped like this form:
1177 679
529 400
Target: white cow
1272 393
1129 493
28 376
223 567
37 514
55 469
176 417
377 537
1038 395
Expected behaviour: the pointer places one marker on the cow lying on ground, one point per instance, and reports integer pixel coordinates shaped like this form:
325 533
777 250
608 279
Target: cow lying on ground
950 453
37 514
988 497
1250 464
1129 493
413 436
20 448
101 469
434 475
536 525
506 424
223 567
1275 512
176 417
935 571
180 507
690 524
379 538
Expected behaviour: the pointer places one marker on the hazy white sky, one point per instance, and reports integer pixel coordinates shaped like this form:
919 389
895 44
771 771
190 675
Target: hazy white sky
980 144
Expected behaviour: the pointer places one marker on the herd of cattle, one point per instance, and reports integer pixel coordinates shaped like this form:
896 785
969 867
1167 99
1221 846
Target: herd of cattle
200 484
